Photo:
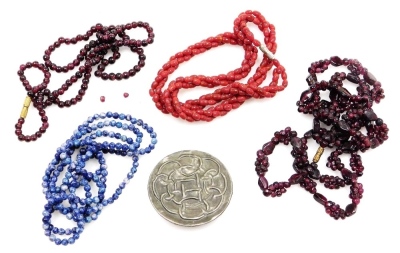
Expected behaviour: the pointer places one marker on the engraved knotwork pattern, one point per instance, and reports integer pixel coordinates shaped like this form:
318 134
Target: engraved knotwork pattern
190 188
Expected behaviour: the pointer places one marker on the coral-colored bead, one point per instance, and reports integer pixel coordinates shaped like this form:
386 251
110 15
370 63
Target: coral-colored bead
232 94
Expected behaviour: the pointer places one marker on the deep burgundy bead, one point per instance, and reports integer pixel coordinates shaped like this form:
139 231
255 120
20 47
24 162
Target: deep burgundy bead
320 198
370 115
349 146
297 168
263 183
370 78
343 91
296 142
327 137
336 61
343 126
316 125
353 78
308 134
296 178
348 175
374 142
334 95
350 209
268 148
313 172
306 96
312 79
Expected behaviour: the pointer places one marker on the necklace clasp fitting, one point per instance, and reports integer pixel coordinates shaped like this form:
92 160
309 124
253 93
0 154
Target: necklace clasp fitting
318 154
25 108
266 51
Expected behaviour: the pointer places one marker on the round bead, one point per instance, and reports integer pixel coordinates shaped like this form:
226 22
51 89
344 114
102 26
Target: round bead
345 114
61 196
92 54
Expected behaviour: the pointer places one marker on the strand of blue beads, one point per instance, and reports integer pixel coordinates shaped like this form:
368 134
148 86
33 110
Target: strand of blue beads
61 194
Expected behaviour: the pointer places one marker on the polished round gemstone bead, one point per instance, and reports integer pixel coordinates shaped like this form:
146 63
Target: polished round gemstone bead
338 124
58 190
107 40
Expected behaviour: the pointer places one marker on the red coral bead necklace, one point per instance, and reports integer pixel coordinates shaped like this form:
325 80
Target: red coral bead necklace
231 94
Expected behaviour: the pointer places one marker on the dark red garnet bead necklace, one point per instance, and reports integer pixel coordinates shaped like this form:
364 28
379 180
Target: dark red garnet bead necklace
232 94
345 115
108 38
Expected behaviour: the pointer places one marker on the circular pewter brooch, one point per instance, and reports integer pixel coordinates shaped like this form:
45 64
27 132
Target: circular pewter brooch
190 188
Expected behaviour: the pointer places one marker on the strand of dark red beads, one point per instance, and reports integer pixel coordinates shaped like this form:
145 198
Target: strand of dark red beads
108 38
232 94
346 114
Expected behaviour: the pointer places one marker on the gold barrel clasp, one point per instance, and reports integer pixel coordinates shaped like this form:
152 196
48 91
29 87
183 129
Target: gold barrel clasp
25 108
318 155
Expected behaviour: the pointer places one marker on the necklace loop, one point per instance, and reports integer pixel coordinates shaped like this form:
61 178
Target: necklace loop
61 195
109 38
346 114
231 94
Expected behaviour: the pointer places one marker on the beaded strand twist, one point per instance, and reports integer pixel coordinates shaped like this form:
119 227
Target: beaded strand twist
232 94
108 38
346 114
61 195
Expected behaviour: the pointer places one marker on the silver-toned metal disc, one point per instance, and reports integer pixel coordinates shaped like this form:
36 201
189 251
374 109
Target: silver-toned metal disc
190 188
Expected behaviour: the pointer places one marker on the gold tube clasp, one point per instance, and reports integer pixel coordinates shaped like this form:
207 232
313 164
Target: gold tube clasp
25 108
318 154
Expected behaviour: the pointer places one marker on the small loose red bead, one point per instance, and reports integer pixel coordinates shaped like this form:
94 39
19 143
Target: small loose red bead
108 39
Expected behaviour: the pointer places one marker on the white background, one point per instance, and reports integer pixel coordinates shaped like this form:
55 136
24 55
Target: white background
306 30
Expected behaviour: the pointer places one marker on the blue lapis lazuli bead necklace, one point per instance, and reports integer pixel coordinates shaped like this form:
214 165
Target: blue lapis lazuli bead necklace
61 194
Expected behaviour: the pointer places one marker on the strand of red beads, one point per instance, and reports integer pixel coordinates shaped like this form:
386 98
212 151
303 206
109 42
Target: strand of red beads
108 38
232 94
346 114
